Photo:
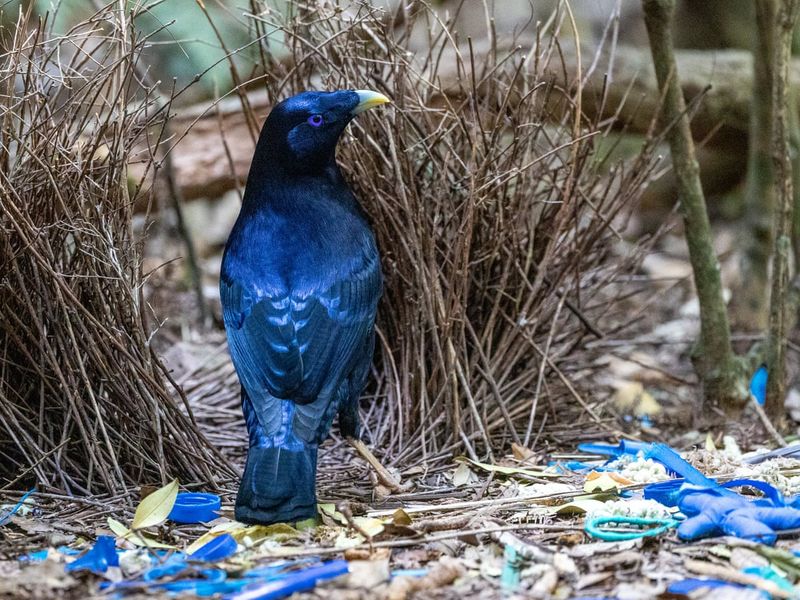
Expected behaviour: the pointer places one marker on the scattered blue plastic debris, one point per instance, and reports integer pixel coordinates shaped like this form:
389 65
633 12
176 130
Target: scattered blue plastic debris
758 384
6 516
710 508
97 560
195 507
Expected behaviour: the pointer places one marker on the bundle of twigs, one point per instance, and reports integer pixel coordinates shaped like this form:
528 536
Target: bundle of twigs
493 208
85 404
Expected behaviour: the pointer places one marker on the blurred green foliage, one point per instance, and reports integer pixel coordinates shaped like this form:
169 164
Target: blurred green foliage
183 41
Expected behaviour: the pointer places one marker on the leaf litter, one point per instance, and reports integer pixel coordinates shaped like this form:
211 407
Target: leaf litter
510 535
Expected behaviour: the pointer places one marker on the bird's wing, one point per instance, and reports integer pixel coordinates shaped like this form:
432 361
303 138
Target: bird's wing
299 344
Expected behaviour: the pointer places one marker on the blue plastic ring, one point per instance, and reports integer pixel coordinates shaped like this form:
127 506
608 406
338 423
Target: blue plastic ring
194 507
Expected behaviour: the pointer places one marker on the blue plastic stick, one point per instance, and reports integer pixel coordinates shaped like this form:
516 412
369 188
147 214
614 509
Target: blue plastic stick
7 516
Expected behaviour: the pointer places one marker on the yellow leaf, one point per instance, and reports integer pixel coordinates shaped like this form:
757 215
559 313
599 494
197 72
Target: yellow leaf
521 452
401 517
134 537
155 509
710 446
605 482
369 525
506 470
240 531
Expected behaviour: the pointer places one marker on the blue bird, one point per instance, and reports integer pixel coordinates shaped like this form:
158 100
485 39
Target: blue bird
300 285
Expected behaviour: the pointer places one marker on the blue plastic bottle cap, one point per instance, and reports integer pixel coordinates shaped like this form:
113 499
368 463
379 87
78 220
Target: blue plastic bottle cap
219 548
194 507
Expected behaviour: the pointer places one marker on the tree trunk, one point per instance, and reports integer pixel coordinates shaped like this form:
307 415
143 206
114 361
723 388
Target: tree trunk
721 372
750 303
782 157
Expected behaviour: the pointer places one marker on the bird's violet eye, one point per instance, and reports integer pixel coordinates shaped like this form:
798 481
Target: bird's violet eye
315 120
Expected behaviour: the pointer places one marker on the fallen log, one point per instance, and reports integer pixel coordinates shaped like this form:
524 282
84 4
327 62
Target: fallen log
213 154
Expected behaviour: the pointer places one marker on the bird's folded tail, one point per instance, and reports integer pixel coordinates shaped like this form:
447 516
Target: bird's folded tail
278 486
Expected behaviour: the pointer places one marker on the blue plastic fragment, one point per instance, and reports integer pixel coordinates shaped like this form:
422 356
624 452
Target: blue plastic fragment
173 565
6 516
687 586
624 447
212 578
770 574
294 581
97 560
758 384
661 453
409 573
195 507
512 563
219 548
790 451
37 556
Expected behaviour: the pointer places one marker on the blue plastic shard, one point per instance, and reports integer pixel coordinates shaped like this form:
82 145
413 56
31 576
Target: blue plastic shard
221 547
790 451
624 447
686 586
293 581
97 560
37 556
665 455
758 384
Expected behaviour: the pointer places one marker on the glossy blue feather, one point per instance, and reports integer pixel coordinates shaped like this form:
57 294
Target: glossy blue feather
300 283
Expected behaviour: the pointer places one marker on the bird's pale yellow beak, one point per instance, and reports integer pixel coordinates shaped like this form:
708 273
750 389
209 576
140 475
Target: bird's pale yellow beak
368 99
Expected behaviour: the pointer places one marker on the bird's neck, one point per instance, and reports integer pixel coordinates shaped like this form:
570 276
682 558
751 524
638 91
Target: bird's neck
274 187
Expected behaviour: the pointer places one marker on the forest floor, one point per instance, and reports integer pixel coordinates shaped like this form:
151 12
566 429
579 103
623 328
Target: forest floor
515 527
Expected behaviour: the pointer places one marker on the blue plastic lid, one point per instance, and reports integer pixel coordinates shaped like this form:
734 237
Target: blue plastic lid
219 548
194 507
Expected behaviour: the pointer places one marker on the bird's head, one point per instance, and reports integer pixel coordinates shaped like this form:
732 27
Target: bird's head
301 132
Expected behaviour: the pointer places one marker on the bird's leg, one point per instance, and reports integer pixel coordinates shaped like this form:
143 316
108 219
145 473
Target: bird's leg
384 476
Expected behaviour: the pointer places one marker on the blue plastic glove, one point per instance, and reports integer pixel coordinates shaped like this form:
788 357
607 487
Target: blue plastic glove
712 511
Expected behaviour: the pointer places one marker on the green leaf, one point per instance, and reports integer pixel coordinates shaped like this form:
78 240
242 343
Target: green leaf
118 528
155 509
462 475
